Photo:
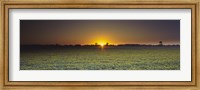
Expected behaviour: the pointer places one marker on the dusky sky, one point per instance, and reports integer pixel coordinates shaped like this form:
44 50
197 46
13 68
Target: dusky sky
83 32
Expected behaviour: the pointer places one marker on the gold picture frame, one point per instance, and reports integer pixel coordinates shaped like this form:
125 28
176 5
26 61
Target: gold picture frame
193 5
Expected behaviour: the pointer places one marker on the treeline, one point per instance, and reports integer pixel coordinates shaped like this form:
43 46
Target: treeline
111 45
60 47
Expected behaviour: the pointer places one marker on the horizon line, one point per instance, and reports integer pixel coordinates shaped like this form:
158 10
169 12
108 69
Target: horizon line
97 44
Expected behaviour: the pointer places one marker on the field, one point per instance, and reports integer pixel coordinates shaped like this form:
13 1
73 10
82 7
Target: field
113 58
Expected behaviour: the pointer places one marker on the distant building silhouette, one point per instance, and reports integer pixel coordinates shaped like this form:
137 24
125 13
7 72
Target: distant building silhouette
160 43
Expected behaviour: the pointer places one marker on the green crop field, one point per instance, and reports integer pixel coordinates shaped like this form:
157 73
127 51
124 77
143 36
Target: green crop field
117 58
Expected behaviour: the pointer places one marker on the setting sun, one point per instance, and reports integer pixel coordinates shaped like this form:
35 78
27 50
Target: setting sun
102 45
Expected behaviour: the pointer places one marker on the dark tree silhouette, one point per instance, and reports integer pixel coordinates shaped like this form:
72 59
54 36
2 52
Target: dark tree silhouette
96 44
107 44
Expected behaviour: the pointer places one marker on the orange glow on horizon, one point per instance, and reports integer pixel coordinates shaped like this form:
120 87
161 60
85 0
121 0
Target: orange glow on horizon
102 45
102 42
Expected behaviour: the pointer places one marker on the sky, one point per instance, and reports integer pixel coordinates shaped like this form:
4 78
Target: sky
70 32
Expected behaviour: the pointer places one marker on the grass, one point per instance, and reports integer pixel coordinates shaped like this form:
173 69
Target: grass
118 58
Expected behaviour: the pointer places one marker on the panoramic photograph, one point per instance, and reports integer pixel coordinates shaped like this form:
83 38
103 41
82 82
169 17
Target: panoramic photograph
99 44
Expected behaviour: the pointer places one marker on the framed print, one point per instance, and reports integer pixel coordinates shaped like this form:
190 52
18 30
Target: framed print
100 44
109 45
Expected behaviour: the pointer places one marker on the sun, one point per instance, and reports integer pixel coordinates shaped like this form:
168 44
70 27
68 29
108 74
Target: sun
102 44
